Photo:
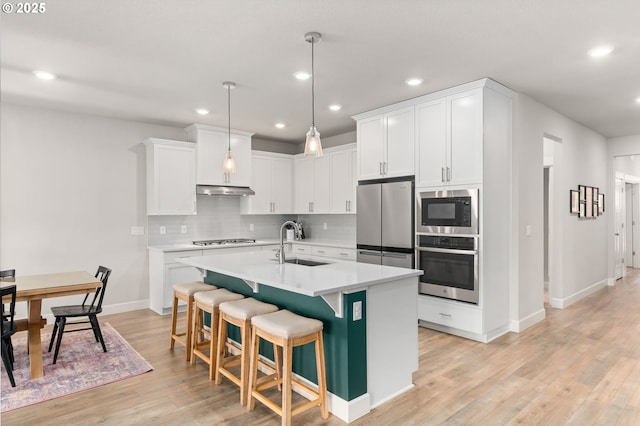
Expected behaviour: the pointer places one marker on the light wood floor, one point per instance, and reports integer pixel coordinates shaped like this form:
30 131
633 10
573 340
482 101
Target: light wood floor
580 366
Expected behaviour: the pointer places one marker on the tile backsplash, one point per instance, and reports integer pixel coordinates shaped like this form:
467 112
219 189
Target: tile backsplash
219 217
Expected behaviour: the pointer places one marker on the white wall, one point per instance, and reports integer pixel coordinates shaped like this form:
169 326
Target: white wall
71 188
578 246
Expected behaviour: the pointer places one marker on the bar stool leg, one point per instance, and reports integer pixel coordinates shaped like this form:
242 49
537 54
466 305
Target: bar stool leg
174 320
188 337
197 326
286 383
322 376
253 369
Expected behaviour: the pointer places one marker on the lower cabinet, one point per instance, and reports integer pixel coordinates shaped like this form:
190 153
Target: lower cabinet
450 314
164 272
324 251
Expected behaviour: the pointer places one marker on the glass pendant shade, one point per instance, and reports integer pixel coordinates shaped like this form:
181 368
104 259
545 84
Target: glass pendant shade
229 163
313 146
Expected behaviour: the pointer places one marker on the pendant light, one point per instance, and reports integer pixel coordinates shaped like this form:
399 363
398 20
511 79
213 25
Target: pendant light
313 146
229 165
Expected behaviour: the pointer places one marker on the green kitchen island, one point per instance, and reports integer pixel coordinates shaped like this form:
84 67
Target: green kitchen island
369 314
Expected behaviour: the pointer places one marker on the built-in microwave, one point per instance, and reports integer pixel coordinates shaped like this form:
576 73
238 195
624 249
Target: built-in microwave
448 211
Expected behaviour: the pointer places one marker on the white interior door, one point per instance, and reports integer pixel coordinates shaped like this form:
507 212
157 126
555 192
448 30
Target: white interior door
618 240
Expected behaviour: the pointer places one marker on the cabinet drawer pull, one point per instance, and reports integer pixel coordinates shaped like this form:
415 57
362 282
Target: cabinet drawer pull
343 254
320 251
445 315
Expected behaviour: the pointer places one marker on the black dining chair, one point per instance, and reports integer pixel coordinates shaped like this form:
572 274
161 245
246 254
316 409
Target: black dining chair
4 276
62 313
8 328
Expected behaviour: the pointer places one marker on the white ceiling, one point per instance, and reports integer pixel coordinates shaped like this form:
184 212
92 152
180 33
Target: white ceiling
158 60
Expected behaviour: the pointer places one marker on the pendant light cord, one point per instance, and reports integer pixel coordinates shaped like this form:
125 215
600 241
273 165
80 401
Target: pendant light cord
313 78
229 116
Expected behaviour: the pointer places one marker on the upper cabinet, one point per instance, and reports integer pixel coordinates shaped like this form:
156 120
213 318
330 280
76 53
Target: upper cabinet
343 181
449 140
212 145
272 182
312 184
171 177
386 144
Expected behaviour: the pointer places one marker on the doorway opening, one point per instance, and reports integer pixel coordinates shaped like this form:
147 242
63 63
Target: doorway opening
551 151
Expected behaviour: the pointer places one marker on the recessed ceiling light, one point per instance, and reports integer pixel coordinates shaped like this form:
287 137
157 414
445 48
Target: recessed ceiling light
280 125
44 75
301 75
202 111
335 107
414 81
600 51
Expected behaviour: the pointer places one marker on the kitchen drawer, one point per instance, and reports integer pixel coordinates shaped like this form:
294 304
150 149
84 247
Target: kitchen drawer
334 252
171 256
450 313
297 249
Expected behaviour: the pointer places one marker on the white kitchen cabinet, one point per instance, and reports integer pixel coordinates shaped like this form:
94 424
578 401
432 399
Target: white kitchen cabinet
386 144
212 145
343 181
312 185
450 140
164 272
332 252
272 182
171 177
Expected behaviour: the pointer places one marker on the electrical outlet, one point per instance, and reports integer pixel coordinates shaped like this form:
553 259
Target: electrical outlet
163 230
137 230
325 226
183 229
357 310
251 227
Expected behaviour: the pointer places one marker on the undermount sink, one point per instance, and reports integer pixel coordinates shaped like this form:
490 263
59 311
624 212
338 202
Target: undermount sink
304 262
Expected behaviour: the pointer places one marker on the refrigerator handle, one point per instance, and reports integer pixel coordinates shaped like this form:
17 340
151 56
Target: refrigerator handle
394 254
370 253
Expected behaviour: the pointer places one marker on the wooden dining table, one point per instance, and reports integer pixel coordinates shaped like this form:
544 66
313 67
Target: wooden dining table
33 289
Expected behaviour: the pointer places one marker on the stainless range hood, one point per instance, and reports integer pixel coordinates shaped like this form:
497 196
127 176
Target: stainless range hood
223 190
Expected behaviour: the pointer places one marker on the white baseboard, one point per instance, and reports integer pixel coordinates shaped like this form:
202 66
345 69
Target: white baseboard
392 396
520 325
568 301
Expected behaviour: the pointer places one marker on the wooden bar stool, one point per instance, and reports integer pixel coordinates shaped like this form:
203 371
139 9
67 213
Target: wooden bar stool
185 292
208 301
238 313
287 330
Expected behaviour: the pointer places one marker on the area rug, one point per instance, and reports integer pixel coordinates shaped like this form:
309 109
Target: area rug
81 365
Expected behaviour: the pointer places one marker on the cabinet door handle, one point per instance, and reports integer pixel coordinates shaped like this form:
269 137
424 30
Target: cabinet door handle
448 174
380 166
442 174
384 167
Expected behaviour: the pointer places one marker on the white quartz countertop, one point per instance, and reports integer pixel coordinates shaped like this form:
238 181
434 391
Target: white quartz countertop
336 276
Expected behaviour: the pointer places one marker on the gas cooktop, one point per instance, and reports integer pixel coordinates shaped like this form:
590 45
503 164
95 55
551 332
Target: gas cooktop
223 242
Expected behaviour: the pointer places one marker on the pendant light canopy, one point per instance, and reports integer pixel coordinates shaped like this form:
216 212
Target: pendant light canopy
313 146
229 165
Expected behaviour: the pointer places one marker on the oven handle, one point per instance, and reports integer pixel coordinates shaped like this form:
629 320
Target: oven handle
451 251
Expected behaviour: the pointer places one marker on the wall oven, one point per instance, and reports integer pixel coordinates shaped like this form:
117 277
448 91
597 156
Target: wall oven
448 211
450 266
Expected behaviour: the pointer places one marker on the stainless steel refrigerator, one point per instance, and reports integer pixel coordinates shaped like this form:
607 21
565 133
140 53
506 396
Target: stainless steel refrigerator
385 223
